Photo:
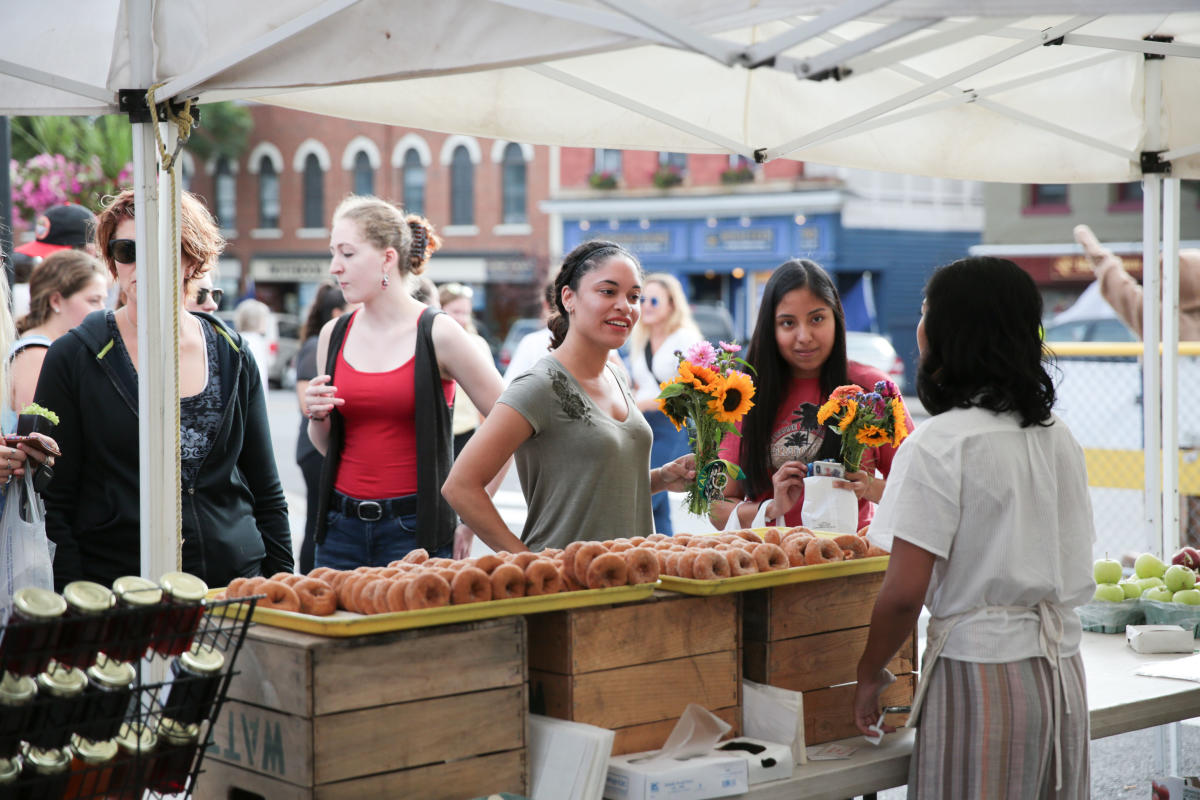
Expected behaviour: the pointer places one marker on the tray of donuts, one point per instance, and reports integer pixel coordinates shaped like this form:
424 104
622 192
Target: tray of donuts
419 591
757 558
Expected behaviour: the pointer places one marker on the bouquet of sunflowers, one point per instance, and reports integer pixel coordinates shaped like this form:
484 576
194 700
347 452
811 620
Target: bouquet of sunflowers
864 419
709 394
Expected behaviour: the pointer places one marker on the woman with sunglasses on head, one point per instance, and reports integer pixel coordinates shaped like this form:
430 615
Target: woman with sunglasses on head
666 327
581 446
989 523
63 289
235 521
381 409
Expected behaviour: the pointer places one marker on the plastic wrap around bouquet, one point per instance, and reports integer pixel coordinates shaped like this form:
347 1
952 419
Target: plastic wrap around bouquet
710 395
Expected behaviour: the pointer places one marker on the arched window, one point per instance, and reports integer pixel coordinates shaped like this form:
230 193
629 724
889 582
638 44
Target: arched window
268 194
414 183
364 176
225 189
514 184
462 188
314 192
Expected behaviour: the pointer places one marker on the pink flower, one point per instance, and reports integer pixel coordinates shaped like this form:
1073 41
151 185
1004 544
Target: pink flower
702 354
887 389
730 348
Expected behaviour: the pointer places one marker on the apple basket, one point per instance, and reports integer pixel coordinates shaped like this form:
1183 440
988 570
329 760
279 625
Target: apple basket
1181 614
1100 617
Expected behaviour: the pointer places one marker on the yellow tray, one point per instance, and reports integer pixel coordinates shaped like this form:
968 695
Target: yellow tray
346 623
779 577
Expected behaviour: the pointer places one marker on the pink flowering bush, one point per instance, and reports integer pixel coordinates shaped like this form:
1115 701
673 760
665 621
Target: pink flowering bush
51 179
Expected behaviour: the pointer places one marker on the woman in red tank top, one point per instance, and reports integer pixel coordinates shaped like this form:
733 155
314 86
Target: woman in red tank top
380 411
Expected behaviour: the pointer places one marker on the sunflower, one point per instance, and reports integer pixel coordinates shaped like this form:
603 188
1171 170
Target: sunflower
873 436
898 423
666 407
731 397
848 415
700 377
832 406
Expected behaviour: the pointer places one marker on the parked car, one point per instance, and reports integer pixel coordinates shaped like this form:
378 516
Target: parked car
516 333
875 351
714 322
284 341
1102 329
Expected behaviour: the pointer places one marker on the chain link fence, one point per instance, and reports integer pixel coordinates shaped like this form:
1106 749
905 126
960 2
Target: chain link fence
1100 395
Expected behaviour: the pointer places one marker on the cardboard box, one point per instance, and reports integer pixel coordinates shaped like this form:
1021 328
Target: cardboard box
773 762
1159 639
667 779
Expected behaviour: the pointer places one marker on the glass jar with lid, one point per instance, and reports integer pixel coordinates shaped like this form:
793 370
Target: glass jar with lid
44 774
106 698
193 690
32 632
135 758
85 625
91 768
17 693
59 706
139 602
183 595
177 746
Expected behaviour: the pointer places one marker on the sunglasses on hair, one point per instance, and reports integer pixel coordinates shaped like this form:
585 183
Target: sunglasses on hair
123 251
203 292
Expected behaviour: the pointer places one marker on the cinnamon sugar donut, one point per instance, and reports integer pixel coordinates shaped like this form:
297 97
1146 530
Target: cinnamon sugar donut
657 537
704 542
607 570
569 583
686 559
772 536
741 562
365 595
508 580
770 557
748 536
427 590
290 578
799 529
568 557
710 565
488 563
252 586
446 573
394 596
641 565
322 574
235 588
873 551
279 596
346 591
794 547
863 530
583 559
541 577
637 541
470 585
316 597
671 563
855 544
418 556
337 578
820 550
523 560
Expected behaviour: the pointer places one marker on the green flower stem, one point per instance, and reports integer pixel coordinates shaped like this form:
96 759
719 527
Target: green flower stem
706 444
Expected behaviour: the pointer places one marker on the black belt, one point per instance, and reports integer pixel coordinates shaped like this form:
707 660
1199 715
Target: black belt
374 510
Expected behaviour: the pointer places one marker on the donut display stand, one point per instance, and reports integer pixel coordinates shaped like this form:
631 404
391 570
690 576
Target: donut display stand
347 624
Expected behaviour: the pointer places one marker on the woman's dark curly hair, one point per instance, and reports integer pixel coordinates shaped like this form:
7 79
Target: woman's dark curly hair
984 343
772 374
577 263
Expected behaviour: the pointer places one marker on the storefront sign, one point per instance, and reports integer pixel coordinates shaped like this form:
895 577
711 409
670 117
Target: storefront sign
1069 268
510 270
289 270
740 240
642 243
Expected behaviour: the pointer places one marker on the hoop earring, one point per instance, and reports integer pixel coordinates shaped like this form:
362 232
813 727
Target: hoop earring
385 280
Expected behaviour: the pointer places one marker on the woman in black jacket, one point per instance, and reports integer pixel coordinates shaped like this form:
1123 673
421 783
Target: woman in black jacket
235 519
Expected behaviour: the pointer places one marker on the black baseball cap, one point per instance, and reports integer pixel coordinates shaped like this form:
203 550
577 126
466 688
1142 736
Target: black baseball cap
60 228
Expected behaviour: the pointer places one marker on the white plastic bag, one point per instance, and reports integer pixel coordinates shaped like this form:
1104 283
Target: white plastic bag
27 554
827 508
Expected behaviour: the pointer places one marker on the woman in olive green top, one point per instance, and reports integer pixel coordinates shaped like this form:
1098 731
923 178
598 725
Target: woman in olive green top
581 445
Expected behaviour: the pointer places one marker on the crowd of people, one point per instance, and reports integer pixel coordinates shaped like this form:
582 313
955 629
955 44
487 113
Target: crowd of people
408 429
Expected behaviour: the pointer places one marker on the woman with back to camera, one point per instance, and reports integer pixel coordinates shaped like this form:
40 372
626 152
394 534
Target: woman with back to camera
380 410
989 523
326 305
235 521
798 351
582 448
666 328
63 289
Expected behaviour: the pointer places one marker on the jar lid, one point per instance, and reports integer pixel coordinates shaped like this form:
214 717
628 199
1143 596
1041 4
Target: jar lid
62 681
110 673
182 586
202 660
88 597
176 733
10 770
91 752
38 603
134 737
135 590
49 761
16 690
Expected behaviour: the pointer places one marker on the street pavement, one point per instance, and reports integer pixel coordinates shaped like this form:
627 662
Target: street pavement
1122 766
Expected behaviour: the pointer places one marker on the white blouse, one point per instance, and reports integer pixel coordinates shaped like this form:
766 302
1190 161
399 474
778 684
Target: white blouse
647 377
1006 511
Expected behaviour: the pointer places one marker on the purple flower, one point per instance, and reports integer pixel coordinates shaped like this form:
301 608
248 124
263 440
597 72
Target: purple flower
887 389
702 354
730 348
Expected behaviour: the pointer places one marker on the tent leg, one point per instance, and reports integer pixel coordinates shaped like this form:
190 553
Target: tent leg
1171 531
1151 364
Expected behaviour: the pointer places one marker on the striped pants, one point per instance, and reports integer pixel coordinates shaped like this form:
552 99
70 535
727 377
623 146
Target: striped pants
987 731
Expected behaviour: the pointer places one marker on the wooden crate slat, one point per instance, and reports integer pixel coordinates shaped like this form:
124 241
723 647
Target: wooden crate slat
829 713
800 609
653 735
263 741
813 662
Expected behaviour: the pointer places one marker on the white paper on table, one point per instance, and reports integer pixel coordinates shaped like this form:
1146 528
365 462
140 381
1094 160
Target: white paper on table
831 751
1184 669
774 715
567 760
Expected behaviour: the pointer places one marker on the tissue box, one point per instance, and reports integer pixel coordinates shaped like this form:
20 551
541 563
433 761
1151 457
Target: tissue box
1159 639
773 763
694 779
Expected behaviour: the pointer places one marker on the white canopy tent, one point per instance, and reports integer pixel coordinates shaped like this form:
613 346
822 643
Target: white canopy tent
974 89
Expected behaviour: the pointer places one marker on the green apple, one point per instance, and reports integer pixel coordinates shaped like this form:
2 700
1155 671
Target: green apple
1160 594
1149 565
1179 577
1189 597
1105 570
1109 593
1131 586
1151 583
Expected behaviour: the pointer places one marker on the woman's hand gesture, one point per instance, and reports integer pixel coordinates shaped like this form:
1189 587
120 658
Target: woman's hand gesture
320 398
788 483
677 475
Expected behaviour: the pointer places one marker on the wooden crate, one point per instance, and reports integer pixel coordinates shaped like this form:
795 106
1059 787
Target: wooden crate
634 668
387 715
808 637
